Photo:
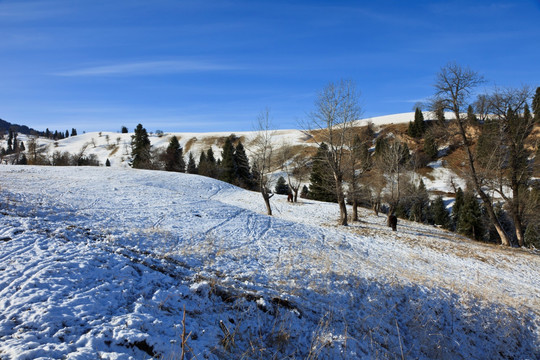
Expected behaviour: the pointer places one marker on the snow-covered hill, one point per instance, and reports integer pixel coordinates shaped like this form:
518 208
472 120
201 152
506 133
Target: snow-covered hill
100 263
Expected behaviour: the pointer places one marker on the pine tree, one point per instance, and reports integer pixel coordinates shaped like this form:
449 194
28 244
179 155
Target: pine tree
532 235
281 186
23 160
124 130
243 172
67 134
174 157
440 214
470 218
418 127
73 132
203 168
381 146
107 163
322 183
536 105
140 148
191 167
458 204
430 147
420 204
212 163
10 142
471 116
439 114
228 166
304 193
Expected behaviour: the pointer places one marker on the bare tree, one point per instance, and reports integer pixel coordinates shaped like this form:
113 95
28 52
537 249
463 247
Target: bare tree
336 108
391 162
295 166
359 162
262 156
505 159
453 87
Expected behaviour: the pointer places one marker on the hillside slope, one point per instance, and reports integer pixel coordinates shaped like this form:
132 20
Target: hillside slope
100 262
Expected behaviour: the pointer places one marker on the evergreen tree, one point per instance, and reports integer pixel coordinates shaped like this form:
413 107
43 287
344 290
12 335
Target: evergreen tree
526 113
381 146
203 168
488 146
174 157
322 183
470 218
140 148
47 133
439 114
191 167
281 186
212 163
536 105
458 204
107 163
304 193
471 116
73 132
430 147
420 204
10 142
67 134
418 127
124 130
440 214
23 160
532 235
228 166
242 167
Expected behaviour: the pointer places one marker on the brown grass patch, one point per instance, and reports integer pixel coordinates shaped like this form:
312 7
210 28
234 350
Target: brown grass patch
189 144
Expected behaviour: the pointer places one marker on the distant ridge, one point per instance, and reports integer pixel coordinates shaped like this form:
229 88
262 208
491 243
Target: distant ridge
22 129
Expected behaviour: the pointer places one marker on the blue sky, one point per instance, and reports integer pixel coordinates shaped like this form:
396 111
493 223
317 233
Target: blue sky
214 65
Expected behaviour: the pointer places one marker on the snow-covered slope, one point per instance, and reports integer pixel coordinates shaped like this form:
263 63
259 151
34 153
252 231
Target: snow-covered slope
116 146
100 263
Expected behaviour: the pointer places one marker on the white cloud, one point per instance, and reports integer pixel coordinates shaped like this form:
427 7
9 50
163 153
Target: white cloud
149 68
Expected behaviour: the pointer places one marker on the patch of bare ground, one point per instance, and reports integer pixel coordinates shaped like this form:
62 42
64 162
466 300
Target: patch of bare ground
189 144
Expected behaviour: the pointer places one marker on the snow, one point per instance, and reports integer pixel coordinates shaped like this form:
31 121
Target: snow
100 263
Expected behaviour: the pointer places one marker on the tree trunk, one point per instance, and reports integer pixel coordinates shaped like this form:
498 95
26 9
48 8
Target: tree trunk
485 199
296 195
516 214
341 200
342 212
355 210
266 198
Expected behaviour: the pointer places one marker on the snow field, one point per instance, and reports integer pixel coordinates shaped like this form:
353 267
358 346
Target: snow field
99 262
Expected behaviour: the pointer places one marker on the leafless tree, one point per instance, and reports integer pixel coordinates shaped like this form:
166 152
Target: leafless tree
359 162
453 88
295 166
263 156
507 165
336 108
391 162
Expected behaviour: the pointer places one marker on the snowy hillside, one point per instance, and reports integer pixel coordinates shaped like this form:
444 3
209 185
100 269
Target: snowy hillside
116 146
100 263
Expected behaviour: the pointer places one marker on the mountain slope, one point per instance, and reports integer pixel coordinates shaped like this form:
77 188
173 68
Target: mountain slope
100 262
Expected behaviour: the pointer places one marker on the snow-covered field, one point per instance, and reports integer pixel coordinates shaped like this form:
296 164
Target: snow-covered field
101 262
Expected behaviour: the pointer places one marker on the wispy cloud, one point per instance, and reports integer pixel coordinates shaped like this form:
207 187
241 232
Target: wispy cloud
149 68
